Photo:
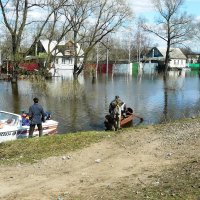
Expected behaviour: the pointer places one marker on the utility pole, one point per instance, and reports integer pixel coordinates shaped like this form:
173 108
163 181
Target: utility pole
129 46
107 51
129 51
7 66
97 63
139 47
107 58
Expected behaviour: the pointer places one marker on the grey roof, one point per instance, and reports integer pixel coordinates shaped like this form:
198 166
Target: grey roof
45 43
175 53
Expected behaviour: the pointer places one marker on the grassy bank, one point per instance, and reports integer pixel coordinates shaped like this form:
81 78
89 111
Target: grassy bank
34 149
176 181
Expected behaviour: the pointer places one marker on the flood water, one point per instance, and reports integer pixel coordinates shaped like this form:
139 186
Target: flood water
82 106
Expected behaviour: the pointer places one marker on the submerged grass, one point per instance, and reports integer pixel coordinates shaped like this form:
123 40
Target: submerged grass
34 149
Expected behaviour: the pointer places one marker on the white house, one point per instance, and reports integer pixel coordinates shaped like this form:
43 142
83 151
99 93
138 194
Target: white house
63 53
157 55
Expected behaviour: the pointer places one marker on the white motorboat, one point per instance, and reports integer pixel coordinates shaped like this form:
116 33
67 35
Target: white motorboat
12 127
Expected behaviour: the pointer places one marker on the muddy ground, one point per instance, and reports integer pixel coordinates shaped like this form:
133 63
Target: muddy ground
153 162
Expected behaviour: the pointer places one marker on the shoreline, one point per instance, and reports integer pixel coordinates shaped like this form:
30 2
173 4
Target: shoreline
145 162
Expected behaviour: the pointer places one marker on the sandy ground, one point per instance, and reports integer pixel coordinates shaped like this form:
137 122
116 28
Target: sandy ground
134 156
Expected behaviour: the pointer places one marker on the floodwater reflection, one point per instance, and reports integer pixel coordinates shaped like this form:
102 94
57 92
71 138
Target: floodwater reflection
82 105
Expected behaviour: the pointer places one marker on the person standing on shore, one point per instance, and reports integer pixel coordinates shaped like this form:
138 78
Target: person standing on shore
37 116
120 103
117 109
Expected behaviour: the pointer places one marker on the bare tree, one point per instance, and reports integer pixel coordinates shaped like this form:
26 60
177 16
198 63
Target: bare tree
56 31
197 31
141 41
93 20
16 19
172 26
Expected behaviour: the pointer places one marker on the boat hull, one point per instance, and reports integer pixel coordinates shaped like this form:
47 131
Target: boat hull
50 127
11 127
110 123
126 120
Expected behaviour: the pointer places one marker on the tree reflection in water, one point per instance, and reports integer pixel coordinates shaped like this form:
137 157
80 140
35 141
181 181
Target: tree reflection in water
83 105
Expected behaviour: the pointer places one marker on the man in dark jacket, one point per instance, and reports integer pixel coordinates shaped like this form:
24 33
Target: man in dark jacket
37 116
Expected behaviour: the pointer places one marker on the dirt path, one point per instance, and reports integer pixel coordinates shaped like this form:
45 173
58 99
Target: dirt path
132 157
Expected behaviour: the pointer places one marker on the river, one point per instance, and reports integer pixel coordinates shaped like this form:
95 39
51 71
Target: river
83 105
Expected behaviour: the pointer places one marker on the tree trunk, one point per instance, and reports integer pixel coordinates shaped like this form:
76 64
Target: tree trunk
167 57
75 74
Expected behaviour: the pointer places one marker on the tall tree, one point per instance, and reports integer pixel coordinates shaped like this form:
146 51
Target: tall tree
57 30
172 26
16 19
93 20
197 31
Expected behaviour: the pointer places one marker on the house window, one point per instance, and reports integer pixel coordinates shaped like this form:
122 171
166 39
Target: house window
63 60
56 61
70 60
175 62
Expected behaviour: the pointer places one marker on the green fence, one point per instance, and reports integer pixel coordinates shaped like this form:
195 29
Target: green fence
194 65
135 68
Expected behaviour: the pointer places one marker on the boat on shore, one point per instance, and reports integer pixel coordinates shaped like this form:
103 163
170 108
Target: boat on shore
125 120
12 127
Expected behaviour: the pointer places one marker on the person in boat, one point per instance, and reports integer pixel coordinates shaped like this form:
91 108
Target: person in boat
118 102
36 116
117 109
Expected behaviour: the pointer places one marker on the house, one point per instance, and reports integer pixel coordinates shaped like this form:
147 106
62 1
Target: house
193 61
193 58
157 55
63 54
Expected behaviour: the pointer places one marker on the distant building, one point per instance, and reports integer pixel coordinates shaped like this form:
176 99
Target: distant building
193 58
193 61
157 55
63 53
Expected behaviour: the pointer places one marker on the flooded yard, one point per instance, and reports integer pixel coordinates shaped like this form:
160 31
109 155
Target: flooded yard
83 105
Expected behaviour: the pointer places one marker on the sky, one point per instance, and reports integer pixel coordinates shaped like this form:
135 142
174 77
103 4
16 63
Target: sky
145 9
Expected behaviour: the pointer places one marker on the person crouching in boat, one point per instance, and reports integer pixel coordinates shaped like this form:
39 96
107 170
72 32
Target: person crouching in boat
117 109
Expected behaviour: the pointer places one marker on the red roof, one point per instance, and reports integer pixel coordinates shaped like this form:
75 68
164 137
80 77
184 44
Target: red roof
29 66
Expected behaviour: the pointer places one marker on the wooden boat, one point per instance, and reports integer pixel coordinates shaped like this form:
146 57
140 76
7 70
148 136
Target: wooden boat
110 122
12 128
127 118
